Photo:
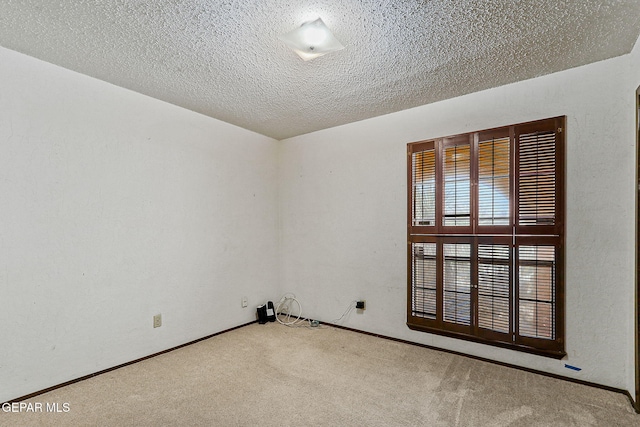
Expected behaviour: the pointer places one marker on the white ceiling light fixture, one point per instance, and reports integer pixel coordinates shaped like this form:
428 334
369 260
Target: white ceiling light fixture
311 40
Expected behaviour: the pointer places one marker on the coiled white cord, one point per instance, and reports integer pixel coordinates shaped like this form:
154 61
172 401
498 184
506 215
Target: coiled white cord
285 310
289 313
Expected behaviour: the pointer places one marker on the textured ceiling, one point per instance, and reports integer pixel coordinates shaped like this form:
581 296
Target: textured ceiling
223 58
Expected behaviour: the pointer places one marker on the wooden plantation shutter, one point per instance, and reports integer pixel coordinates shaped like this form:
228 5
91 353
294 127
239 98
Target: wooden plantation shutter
540 293
536 280
494 181
422 216
539 179
486 236
539 235
456 284
495 296
424 187
424 268
457 177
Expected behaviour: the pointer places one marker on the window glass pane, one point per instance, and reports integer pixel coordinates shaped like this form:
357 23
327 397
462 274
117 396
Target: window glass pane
493 287
536 319
424 280
493 181
457 283
457 184
536 279
424 188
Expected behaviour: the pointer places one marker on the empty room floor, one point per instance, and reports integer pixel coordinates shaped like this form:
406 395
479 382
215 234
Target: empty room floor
273 375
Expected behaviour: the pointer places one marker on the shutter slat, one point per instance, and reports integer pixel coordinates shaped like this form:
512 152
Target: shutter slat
457 173
536 179
423 281
493 181
494 287
424 187
457 283
536 293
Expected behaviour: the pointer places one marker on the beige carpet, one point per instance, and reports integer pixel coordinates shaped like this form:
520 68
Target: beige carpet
272 375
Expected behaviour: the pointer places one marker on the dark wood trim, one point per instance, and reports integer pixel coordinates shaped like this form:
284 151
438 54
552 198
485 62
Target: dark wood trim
439 204
495 362
636 341
104 371
409 277
552 353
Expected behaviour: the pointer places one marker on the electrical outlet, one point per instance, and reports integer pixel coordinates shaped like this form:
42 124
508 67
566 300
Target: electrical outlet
361 305
157 320
245 302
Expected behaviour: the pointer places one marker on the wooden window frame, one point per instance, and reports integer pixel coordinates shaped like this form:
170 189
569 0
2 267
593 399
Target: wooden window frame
541 232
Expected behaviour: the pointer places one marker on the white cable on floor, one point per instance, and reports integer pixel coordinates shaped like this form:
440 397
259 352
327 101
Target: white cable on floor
351 306
285 304
291 319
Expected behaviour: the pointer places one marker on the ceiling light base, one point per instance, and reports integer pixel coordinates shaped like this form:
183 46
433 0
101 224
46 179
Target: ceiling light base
311 40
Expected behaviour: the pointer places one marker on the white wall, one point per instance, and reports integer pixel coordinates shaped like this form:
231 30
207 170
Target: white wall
343 213
115 207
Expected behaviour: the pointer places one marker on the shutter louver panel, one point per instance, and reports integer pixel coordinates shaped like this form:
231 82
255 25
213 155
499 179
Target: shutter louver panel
486 236
424 287
494 279
537 179
424 187
457 283
536 281
457 175
494 164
